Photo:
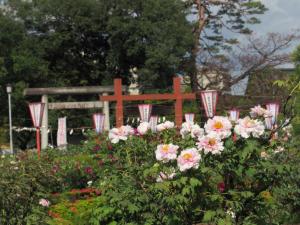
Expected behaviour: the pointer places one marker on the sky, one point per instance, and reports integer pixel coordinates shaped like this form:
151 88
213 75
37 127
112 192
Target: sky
283 16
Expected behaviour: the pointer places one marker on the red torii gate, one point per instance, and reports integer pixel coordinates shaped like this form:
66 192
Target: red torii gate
176 95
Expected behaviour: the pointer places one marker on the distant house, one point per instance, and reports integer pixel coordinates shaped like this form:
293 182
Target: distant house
262 84
207 79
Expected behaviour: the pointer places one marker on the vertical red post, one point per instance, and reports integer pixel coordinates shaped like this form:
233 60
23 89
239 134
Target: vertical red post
119 104
38 142
178 101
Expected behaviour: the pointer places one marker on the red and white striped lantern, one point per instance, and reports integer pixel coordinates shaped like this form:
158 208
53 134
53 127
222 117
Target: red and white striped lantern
36 112
145 112
98 121
189 117
273 107
234 114
209 101
153 123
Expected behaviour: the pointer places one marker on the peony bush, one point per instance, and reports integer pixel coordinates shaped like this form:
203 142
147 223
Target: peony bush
223 173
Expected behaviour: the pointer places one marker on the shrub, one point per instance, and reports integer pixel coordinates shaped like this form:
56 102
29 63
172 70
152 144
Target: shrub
246 182
23 182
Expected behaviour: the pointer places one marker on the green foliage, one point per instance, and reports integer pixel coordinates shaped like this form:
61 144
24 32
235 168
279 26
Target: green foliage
87 42
23 182
130 193
249 183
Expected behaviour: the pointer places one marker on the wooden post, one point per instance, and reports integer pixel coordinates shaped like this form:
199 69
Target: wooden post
178 101
119 104
106 113
38 142
44 128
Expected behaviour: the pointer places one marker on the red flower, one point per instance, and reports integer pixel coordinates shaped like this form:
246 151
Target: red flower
96 148
88 170
221 187
110 147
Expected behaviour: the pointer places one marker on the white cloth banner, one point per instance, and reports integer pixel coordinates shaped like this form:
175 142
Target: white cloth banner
62 132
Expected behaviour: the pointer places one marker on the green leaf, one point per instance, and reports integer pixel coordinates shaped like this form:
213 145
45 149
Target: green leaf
195 182
209 215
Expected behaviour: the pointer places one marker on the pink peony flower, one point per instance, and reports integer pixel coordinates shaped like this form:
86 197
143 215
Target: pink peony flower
219 125
121 133
44 202
188 159
211 143
247 127
166 125
143 128
166 152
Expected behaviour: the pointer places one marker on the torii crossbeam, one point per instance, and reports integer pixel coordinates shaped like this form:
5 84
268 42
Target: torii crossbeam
176 95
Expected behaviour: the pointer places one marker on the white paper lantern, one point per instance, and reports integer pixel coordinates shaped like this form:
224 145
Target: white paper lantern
234 114
189 117
273 107
209 101
153 123
145 112
98 121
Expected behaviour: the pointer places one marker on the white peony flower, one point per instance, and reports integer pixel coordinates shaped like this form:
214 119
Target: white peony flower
143 128
166 176
166 125
192 129
121 133
197 131
258 111
247 127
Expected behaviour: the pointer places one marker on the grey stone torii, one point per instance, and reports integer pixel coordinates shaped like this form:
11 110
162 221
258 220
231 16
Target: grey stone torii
44 92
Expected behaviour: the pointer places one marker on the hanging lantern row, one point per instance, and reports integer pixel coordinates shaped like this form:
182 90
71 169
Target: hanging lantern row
209 100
